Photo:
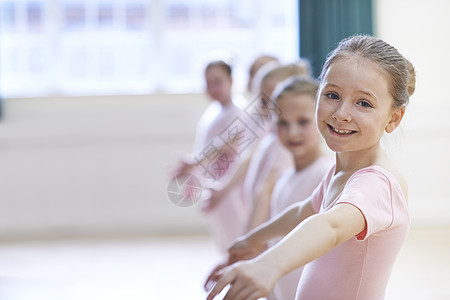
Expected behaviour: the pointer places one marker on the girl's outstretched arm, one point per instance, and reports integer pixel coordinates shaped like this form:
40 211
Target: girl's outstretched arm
254 242
313 238
260 211
281 224
231 179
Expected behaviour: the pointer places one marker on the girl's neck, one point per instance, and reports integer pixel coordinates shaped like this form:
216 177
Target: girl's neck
355 160
226 103
306 160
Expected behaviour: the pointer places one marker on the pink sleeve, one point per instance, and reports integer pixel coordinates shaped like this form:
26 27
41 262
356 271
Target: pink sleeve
370 191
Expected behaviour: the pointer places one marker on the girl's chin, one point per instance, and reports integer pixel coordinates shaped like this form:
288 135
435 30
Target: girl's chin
336 148
296 150
299 155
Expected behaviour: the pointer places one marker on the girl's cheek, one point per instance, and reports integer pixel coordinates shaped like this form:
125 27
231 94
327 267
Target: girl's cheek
322 111
318 114
282 133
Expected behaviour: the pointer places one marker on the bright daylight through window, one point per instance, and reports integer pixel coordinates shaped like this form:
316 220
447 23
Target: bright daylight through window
101 47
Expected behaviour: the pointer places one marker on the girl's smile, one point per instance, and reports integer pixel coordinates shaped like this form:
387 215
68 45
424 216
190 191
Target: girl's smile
337 131
292 144
354 105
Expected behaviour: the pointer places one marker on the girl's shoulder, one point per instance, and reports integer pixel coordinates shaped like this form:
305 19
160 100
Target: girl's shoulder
209 114
390 172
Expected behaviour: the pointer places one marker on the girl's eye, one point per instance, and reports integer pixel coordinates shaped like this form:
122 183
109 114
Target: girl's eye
303 122
282 123
364 103
264 102
332 96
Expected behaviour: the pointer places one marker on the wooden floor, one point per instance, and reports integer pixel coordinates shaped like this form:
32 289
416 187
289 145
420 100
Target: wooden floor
174 268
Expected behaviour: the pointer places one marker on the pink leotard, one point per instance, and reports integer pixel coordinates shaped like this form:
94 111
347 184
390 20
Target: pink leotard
360 267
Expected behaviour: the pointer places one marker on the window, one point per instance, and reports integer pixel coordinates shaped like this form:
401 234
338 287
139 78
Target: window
89 47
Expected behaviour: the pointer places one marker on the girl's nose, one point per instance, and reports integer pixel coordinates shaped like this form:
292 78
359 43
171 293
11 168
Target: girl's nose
342 113
294 130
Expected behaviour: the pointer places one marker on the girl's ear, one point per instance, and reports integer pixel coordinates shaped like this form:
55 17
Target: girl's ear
396 118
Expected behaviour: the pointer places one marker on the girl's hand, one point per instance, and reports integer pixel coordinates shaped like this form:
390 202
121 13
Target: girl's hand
185 164
242 249
249 280
245 248
214 193
211 278
182 168
212 199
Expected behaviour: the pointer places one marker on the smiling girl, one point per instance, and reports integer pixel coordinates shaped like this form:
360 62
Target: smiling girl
348 233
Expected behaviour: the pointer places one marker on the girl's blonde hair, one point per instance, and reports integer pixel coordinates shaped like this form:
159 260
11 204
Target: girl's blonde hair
400 71
283 72
297 85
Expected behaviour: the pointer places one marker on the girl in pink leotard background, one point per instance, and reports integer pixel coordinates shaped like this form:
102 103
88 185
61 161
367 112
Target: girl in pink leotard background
270 158
297 132
217 153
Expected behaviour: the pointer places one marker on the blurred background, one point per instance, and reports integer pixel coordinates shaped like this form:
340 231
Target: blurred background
98 98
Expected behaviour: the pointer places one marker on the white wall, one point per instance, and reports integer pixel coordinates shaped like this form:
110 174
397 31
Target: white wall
420 31
94 165
97 165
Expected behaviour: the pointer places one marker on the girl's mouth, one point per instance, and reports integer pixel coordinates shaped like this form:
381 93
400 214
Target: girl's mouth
294 144
341 131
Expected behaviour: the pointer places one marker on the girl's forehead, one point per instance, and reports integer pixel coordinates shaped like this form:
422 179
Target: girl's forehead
295 102
355 63
355 70
215 70
293 96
